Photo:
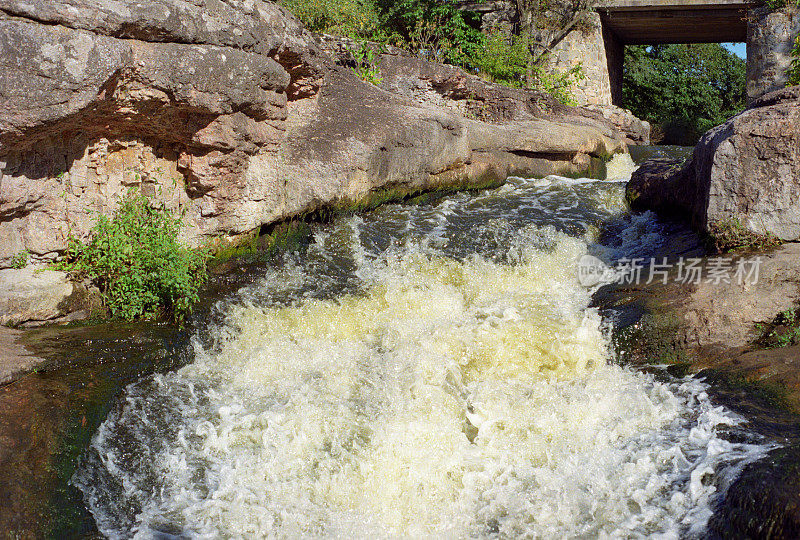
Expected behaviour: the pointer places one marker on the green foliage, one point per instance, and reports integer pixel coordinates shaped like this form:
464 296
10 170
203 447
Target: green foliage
351 18
780 4
784 331
507 60
687 89
20 260
504 60
138 263
794 70
558 84
366 63
436 29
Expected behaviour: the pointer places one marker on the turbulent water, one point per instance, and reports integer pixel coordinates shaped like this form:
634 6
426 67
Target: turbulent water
429 370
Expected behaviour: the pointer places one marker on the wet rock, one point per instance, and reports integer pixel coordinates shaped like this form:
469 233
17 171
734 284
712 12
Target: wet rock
15 359
653 186
762 502
715 325
745 172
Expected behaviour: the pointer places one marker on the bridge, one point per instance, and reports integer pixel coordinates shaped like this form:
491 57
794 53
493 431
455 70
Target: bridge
769 37
649 22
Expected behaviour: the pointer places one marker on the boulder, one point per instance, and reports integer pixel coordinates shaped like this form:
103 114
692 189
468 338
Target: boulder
231 113
29 296
745 172
715 324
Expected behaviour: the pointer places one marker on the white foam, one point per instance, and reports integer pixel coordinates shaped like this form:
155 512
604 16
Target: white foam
452 398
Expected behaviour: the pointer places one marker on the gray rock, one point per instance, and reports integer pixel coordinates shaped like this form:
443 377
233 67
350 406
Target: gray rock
230 113
727 313
747 170
29 295
770 38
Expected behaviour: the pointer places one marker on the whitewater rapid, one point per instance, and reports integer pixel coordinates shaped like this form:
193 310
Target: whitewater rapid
428 371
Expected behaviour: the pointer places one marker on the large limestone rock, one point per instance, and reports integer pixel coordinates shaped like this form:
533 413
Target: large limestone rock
35 296
747 170
231 113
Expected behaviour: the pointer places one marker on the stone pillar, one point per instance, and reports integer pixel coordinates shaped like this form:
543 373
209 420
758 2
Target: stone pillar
770 36
615 59
587 47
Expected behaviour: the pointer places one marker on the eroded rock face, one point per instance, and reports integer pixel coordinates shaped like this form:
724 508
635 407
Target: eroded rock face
232 113
747 170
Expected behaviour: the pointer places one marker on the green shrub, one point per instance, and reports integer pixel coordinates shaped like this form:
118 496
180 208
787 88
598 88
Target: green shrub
20 260
366 62
437 29
351 18
507 60
504 60
559 84
137 262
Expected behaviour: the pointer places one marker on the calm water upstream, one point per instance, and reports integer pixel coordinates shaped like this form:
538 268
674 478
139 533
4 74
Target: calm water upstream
417 371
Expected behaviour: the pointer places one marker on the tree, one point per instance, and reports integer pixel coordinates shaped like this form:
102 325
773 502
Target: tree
544 23
435 28
685 89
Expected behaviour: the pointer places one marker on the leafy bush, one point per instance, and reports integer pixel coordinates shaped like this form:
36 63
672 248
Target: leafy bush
366 63
504 60
507 60
436 29
138 263
557 84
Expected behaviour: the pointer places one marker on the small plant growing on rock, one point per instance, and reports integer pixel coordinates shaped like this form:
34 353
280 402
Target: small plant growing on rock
731 235
366 63
780 4
137 262
19 261
784 331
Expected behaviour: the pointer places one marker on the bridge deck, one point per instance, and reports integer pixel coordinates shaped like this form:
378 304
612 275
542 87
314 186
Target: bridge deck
675 21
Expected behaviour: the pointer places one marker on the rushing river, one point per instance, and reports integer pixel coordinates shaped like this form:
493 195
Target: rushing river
417 371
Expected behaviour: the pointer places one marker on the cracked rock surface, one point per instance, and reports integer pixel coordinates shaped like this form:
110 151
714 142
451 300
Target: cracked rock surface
230 112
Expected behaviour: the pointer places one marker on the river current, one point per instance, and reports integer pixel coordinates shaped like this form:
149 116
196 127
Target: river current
429 370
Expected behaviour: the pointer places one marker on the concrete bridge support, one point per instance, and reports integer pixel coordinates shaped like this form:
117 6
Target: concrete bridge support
770 36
